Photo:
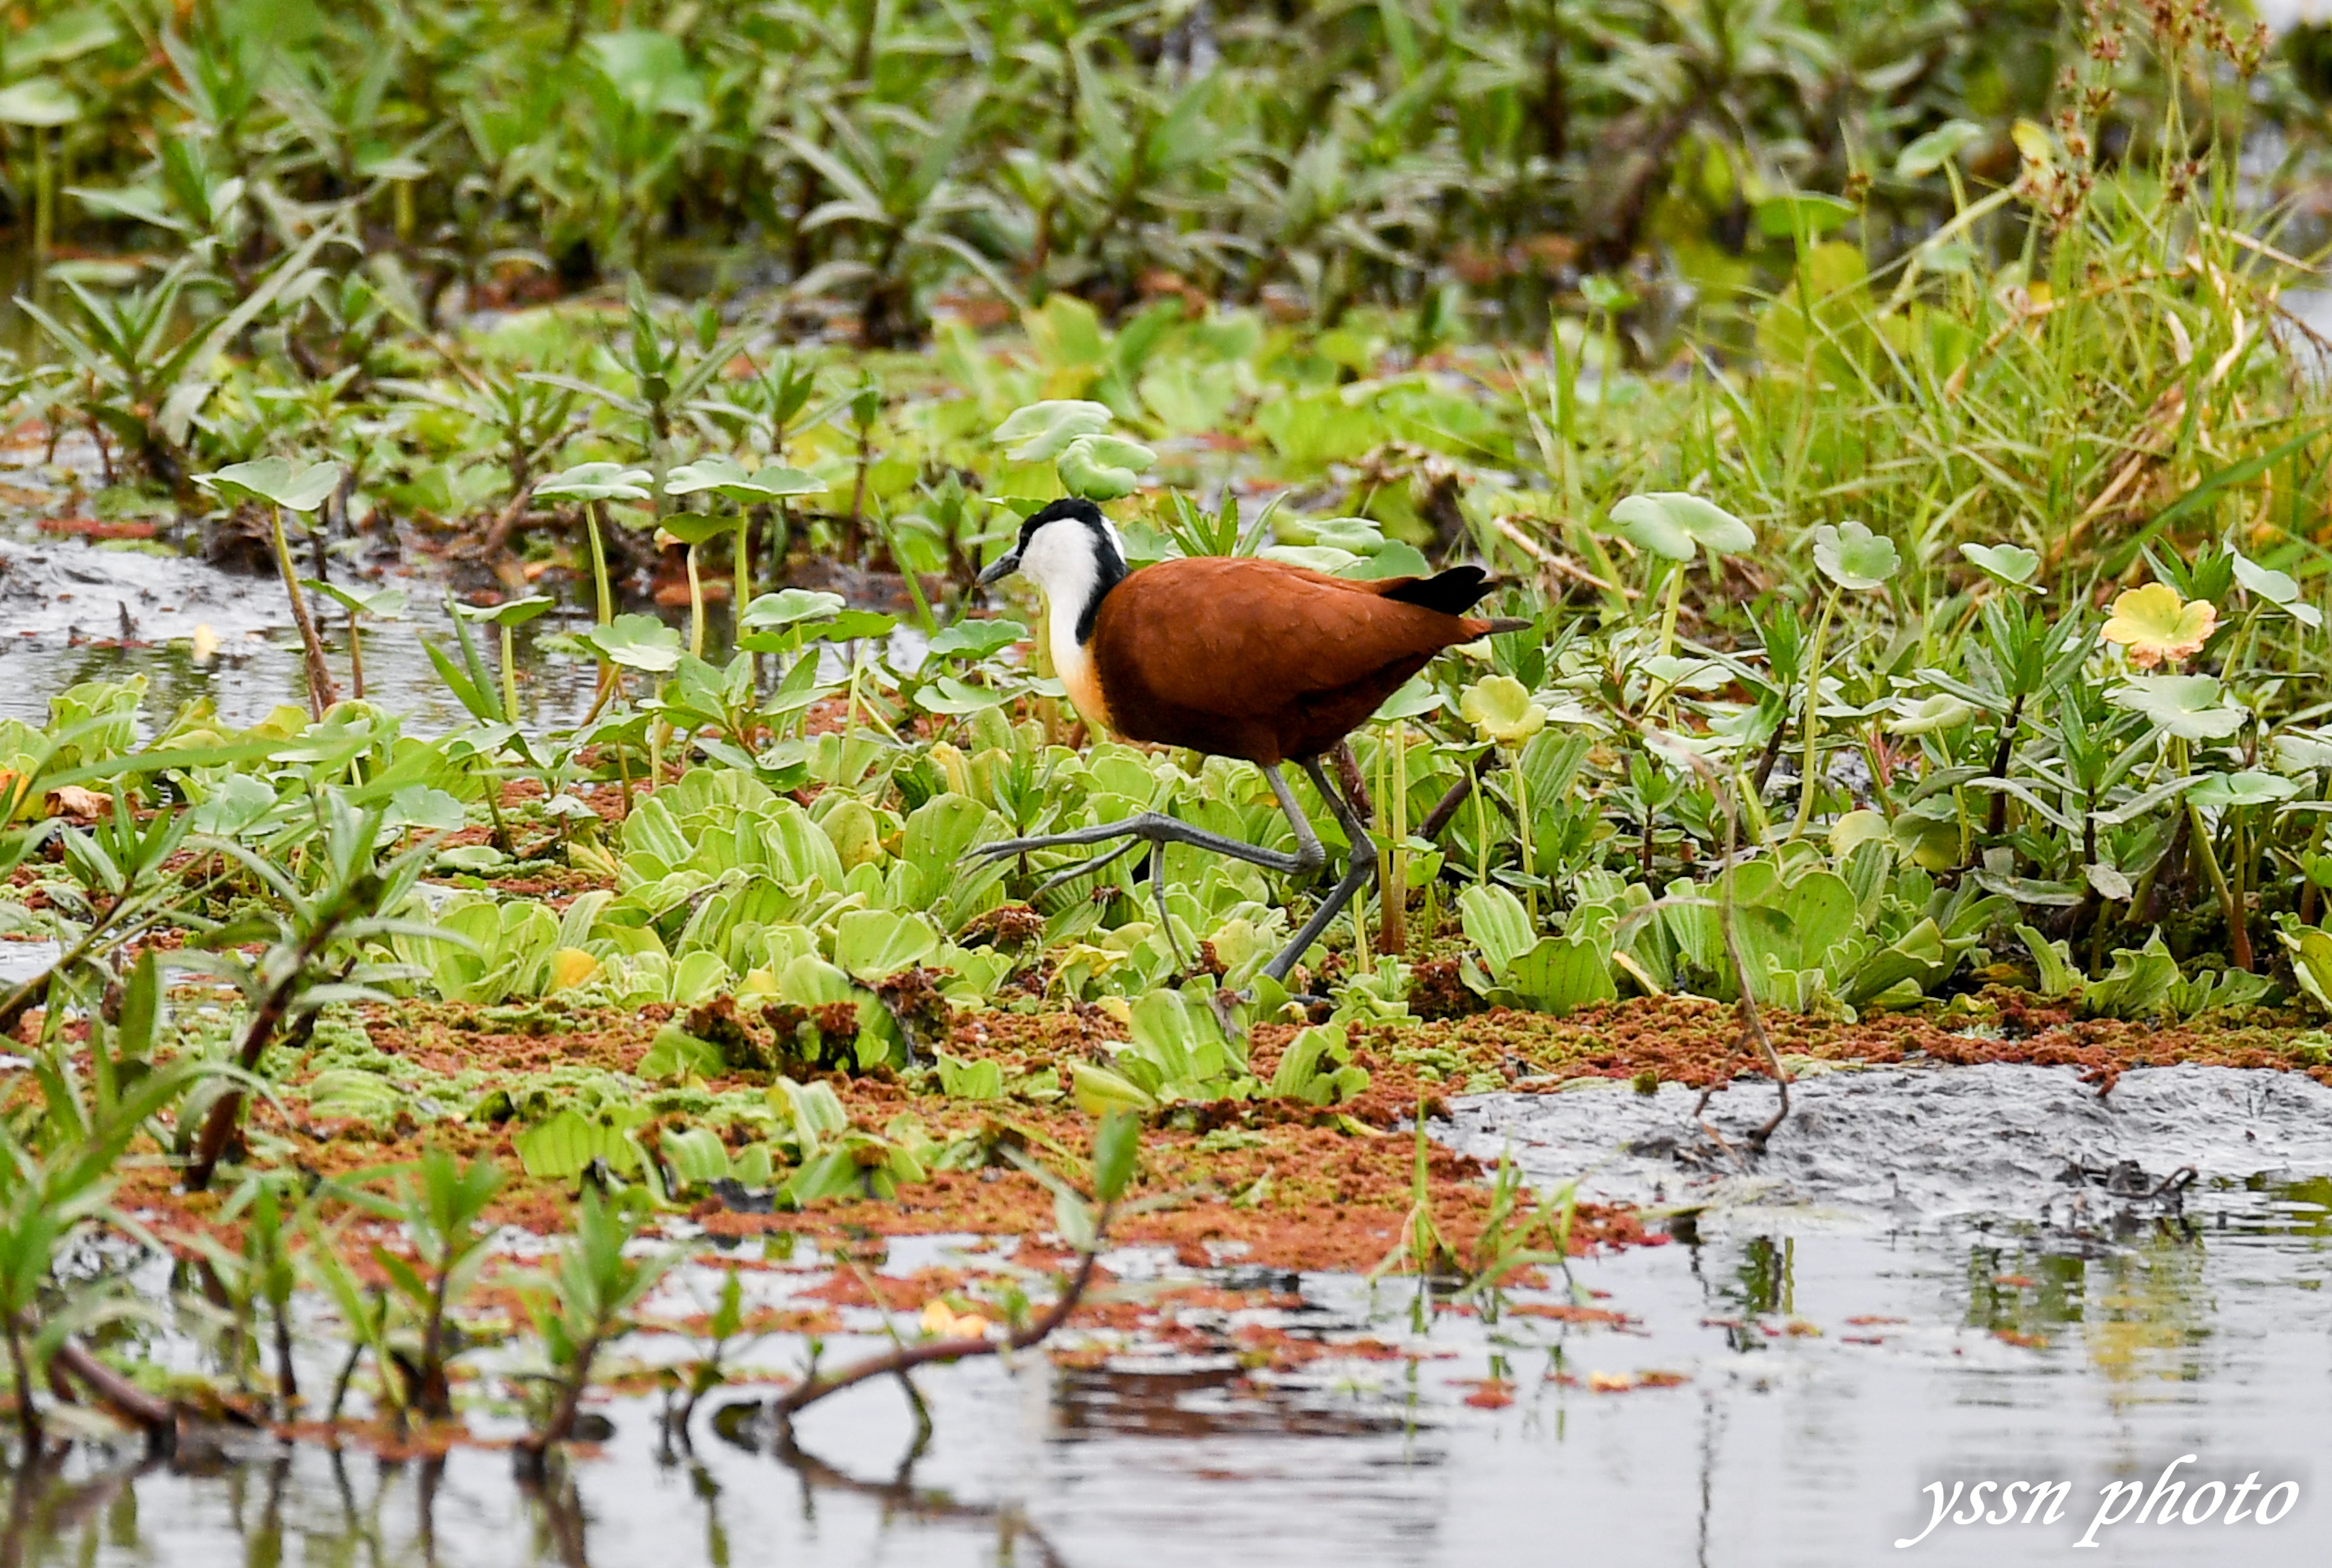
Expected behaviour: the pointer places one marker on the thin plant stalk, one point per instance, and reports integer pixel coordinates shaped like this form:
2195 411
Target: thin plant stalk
605 593
510 672
1806 775
1522 836
744 590
322 692
2239 936
696 607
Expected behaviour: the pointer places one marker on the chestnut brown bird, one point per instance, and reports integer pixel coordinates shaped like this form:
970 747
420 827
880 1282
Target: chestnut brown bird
1234 657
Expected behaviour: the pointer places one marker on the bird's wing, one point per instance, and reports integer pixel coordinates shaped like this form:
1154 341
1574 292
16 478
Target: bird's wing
1240 637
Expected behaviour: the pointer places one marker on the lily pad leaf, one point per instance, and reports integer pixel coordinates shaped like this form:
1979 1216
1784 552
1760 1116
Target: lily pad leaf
511 613
1045 430
276 481
2186 706
1104 467
39 102
2278 588
381 603
1671 523
2009 563
728 476
597 482
2252 787
1853 557
695 528
636 642
976 639
1780 216
419 805
789 607
1923 156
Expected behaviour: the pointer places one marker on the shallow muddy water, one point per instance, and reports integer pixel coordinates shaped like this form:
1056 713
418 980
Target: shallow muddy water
1905 1294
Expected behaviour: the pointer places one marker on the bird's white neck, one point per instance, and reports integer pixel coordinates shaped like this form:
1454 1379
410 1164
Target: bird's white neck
1073 565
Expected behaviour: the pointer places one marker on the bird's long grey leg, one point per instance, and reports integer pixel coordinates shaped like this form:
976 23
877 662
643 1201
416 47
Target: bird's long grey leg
1155 828
1358 870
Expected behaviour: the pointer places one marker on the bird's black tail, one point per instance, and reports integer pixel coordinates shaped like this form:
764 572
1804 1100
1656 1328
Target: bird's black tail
1452 592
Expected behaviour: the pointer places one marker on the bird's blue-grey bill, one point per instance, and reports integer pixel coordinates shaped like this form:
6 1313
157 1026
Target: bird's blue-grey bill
1004 566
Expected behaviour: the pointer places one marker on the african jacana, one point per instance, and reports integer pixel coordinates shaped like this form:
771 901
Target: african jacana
1234 657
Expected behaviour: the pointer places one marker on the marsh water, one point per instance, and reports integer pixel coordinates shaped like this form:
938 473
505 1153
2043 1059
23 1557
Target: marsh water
1850 1323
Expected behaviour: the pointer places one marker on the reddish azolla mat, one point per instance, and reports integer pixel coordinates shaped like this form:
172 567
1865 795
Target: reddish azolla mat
1295 1187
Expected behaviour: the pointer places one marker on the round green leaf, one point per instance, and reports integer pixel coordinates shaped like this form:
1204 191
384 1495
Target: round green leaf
2186 707
597 482
1928 715
1853 557
38 102
276 481
729 477
1671 523
381 603
1103 467
976 639
2009 563
1045 430
636 642
694 528
2278 588
1781 217
1927 153
511 613
788 606
2253 787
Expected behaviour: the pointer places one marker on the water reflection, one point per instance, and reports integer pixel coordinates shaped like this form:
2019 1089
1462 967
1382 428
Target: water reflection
1831 1369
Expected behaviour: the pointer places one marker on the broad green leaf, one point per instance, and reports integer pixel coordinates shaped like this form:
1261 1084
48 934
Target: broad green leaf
962 1080
597 482
872 944
2217 791
789 607
509 612
728 476
636 642
1561 974
1671 523
1045 430
563 1146
1809 211
381 603
2009 563
275 481
1928 716
976 639
695 528
39 102
1104 467
1923 156
1496 924
1854 557
2278 588
1117 1146
2186 707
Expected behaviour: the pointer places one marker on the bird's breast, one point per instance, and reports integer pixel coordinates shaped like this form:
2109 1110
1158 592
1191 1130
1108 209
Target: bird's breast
1073 661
